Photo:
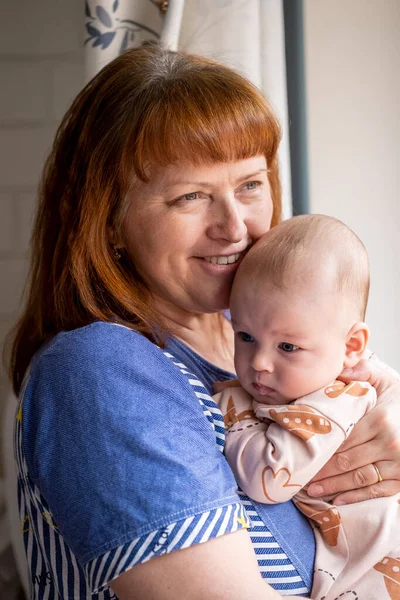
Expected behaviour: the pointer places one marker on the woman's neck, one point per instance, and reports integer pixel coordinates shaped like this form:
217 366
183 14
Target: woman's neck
210 335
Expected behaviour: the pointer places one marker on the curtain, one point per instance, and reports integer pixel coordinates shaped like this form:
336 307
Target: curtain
247 35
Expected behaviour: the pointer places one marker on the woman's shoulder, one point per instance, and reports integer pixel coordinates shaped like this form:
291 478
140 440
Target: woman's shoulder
108 377
106 367
98 337
99 347
103 362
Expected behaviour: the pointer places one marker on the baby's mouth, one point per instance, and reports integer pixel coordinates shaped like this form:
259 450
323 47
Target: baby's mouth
263 390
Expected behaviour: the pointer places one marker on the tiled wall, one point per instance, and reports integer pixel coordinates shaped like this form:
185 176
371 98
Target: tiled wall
41 70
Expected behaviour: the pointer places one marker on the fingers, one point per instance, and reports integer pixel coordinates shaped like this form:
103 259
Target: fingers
355 480
344 462
361 372
378 490
377 374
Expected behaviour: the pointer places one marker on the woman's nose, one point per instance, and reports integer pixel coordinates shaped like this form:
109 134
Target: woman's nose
228 221
261 361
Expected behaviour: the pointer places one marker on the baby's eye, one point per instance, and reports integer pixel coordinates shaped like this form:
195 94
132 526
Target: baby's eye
246 337
286 347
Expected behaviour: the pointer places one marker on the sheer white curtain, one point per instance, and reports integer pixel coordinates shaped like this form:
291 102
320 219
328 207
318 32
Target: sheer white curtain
247 35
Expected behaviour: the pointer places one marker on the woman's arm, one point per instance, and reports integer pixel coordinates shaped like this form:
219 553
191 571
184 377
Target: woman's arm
350 474
224 568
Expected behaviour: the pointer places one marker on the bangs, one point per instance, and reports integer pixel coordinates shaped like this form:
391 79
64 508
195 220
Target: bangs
203 119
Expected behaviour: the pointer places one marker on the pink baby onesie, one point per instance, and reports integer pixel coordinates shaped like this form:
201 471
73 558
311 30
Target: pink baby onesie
274 451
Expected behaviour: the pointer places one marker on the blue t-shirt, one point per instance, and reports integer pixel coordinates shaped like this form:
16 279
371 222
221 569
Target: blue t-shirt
118 453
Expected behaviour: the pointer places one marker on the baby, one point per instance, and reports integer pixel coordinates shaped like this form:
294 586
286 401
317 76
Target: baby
298 306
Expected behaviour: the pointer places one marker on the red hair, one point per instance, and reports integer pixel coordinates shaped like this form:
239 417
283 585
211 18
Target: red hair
148 106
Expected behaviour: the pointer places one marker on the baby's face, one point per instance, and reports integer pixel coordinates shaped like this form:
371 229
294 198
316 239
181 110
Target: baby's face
287 344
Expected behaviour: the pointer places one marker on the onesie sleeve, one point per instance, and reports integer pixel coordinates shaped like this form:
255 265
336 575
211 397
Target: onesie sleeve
119 446
275 451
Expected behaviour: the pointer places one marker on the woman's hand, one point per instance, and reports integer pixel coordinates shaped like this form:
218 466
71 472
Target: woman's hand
350 474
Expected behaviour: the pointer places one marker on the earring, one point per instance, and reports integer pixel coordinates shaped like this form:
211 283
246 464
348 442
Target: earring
117 253
162 4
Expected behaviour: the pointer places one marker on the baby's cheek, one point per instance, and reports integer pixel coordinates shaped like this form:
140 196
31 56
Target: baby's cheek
243 356
300 381
244 373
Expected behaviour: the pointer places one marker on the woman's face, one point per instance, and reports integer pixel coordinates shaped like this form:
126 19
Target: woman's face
188 228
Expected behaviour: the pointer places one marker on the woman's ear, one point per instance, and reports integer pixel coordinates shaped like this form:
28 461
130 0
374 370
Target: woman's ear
112 236
114 239
356 343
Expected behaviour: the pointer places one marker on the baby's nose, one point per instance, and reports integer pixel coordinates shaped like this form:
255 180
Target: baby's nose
262 362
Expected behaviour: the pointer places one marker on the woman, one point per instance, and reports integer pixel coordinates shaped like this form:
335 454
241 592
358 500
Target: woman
162 174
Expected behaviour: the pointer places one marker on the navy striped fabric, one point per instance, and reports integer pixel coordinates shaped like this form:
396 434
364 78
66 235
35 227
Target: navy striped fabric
274 565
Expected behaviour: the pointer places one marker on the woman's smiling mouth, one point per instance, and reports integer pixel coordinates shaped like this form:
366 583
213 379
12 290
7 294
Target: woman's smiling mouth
223 260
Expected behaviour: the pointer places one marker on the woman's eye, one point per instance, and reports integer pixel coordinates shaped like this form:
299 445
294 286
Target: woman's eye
246 337
192 196
286 347
252 185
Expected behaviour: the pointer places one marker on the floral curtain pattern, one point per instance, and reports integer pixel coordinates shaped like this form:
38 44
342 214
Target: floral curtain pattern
113 26
247 35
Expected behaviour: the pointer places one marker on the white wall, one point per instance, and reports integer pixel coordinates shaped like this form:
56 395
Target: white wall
41 70
353 90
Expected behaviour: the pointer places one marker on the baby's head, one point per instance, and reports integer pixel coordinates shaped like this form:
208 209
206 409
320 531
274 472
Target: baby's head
298 304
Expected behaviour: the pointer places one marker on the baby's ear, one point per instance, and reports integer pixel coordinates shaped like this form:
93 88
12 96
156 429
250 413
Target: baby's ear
356 343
